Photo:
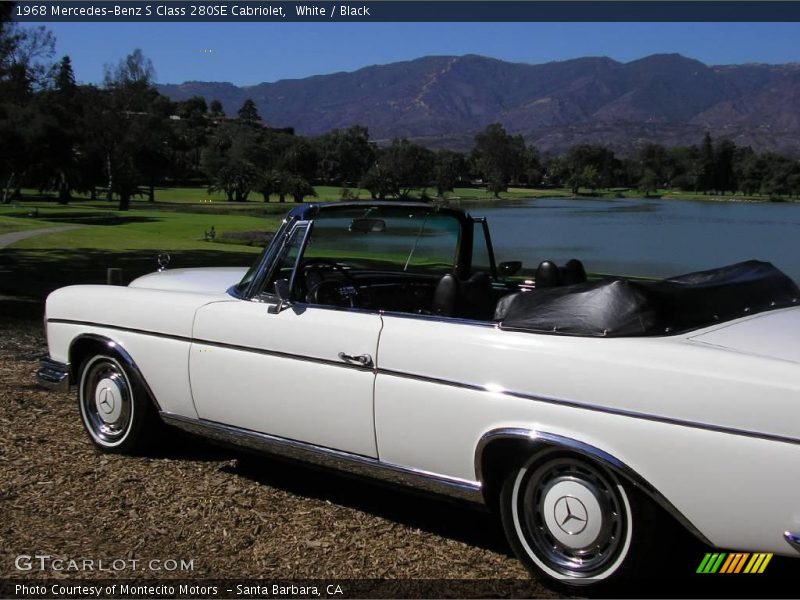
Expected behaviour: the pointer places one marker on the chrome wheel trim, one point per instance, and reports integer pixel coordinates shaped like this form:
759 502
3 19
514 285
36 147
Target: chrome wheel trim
106 401
572 518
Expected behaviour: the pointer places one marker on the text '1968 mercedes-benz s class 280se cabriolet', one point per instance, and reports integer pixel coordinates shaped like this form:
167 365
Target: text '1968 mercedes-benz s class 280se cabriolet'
381 339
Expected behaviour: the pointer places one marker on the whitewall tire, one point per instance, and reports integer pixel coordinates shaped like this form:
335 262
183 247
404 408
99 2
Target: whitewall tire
571 520
113 406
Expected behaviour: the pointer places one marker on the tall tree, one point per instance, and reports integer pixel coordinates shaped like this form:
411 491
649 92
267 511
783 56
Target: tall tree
345 156
248 112
129 120
499 157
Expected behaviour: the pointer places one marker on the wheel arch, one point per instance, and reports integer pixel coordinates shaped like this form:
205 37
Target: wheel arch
86 344
501 450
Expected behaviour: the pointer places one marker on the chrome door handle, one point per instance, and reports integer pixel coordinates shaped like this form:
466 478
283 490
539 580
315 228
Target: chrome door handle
365 360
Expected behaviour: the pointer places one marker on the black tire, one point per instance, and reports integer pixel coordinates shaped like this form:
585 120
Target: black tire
116 411
573 522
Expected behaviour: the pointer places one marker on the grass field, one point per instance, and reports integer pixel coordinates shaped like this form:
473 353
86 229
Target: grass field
11 224
163 230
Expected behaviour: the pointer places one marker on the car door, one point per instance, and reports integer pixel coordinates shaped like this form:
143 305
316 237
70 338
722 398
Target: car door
303 373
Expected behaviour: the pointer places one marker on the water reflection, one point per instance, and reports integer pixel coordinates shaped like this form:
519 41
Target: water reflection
644 237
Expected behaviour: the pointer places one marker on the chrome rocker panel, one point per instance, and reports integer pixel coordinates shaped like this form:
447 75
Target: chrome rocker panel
354 464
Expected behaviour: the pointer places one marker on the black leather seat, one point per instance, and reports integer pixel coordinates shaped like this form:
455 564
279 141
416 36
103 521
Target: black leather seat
547 275
445 296
475 297
469 299
573 272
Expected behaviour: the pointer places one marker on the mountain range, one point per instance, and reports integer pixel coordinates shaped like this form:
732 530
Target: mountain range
442 101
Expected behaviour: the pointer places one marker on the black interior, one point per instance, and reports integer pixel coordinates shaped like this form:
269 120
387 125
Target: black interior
563 301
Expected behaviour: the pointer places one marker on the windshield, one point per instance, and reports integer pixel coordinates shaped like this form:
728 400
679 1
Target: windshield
386 238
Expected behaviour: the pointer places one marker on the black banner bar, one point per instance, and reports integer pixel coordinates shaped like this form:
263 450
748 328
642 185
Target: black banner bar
411 11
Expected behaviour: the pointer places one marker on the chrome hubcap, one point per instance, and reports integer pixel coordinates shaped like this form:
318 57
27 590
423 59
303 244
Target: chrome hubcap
105 401
571 516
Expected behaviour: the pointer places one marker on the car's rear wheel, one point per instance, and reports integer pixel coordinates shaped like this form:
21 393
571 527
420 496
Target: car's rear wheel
114 408
571 520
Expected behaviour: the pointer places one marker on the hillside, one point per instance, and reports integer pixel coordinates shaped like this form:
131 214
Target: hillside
443 100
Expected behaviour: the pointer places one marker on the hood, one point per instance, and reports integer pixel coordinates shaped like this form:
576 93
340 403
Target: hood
205 280
773 334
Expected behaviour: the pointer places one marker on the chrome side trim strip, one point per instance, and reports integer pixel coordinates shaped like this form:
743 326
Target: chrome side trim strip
596 408
354 464
277 353
543 438
793 539
470 386
168 336
53 375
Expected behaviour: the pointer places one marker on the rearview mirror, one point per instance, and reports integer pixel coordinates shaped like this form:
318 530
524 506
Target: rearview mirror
509 268
367 226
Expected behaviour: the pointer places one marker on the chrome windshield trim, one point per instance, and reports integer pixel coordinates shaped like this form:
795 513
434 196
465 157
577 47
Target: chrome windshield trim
353 464
542 438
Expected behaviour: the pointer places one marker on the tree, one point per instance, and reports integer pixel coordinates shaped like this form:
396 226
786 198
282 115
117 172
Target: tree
345 156
706 164
65 77
447 171
128 124
605 167
215 109
134 72
248 112
649 182
378 180
408 165
234 159
724 174
498 157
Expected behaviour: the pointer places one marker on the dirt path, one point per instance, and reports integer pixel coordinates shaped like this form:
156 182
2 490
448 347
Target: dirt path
6 239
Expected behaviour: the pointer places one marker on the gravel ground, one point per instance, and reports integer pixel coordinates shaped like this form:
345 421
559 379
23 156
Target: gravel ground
232 515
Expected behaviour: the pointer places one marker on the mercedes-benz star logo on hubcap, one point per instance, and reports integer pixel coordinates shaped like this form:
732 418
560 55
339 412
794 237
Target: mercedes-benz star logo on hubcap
570 514
106 401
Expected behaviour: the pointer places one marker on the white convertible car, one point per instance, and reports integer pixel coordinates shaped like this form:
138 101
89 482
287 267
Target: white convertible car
381 339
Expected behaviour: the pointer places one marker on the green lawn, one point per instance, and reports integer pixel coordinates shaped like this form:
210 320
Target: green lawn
160 230
11 224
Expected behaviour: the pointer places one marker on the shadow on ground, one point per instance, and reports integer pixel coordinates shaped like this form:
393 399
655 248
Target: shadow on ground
459 521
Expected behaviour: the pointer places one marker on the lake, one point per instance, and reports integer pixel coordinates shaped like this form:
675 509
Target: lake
645 237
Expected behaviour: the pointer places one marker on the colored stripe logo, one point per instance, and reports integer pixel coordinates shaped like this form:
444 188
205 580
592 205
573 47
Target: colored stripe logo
734 562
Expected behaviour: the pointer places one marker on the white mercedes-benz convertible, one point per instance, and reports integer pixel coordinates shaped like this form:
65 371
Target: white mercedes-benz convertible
381 339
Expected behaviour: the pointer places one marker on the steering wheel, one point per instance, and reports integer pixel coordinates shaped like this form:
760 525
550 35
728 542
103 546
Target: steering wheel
315 283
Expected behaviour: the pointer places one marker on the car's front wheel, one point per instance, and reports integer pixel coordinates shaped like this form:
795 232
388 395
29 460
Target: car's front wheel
571 520
114 408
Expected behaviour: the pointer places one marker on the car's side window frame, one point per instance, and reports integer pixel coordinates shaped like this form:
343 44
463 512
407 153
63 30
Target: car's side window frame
488 241
262 293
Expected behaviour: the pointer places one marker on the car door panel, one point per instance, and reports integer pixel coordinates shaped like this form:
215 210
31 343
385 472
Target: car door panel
281 374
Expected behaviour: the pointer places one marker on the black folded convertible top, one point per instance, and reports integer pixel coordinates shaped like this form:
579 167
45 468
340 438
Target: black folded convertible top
621 307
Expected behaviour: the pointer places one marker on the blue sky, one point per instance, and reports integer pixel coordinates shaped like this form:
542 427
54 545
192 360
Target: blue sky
250 53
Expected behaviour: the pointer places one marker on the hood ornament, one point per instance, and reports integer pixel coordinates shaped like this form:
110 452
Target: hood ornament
163 261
